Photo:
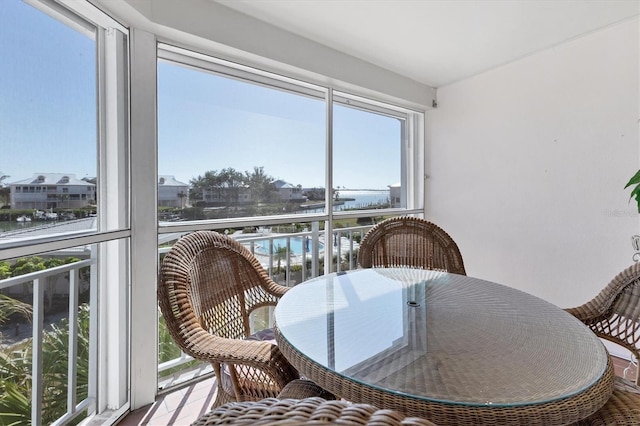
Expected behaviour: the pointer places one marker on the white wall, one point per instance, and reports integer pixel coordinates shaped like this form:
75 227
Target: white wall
528 162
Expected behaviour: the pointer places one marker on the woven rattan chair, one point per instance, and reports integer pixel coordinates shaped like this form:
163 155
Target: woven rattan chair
316 411
614 315
410 242
208 286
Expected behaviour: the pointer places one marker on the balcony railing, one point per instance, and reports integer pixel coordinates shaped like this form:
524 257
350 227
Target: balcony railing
290 258
41 283
299 257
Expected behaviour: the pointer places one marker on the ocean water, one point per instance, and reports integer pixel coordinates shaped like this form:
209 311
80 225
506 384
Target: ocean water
10 226
363 198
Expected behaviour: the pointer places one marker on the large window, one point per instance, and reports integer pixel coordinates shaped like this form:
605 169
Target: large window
235 142
295 171
47 116
367 154
239 148
64 237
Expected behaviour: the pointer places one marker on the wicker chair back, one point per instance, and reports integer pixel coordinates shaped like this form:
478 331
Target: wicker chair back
311 411
209 284
410 242
614 314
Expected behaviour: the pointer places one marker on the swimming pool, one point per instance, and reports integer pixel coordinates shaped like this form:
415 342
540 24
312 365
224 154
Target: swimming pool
262 247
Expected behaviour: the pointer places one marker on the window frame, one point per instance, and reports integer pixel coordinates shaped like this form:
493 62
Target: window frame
412 169
110 239
127 232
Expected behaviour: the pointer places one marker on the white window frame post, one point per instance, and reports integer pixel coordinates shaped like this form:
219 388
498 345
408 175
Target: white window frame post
144 219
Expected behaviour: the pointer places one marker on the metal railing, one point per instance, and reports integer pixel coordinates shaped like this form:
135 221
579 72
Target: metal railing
40 282
296 265
300 256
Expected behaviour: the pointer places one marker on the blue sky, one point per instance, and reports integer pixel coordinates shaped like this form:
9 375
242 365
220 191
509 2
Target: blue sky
47 95
205 122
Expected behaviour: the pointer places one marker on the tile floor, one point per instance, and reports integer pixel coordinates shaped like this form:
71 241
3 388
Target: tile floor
185 405
180 407
619 365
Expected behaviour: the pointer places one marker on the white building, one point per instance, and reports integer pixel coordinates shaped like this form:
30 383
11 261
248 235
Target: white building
172 192
52 191
395 195
289 192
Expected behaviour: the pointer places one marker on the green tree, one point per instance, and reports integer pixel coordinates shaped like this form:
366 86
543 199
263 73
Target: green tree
195 193
315 194
281 253
13 401
15 373
211 181
10 306
27 265
5 195
202 183
5 270
261 186
230 183
5 191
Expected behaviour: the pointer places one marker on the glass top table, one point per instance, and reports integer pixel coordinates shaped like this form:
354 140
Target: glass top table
446 347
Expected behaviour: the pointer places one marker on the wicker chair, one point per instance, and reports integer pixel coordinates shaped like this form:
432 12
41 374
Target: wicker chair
313 410
410 242
208 286
614 315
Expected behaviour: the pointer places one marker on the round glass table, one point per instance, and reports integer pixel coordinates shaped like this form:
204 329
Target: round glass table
449 348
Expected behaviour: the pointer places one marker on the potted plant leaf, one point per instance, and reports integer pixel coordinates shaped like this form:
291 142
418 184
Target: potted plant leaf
635 192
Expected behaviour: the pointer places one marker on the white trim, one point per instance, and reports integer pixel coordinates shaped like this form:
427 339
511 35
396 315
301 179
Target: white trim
65 16
237 71
328 192
113 213
30 247
415 189
219 31
36 361
144 219
91 13
367 104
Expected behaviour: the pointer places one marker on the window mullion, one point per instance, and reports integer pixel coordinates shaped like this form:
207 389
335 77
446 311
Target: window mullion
144 219
328 229
113 213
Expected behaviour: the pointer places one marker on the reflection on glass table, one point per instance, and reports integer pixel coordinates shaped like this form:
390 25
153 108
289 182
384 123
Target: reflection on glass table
446 347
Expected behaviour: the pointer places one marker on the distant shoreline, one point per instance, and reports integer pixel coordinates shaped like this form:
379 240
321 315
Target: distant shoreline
372 190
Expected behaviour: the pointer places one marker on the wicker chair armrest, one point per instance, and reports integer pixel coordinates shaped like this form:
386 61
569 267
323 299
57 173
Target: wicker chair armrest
302 388
588 313
207 347
275 288
601 307
579 313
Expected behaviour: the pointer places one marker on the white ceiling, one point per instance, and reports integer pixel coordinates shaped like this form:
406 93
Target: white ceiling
437 42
